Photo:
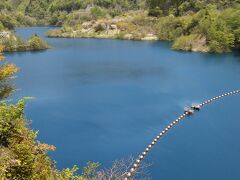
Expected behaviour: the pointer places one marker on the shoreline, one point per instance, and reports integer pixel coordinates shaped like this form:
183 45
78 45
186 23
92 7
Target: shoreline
68 36
98 37
94 36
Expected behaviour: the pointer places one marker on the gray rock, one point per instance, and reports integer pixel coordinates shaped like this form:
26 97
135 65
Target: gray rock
113 26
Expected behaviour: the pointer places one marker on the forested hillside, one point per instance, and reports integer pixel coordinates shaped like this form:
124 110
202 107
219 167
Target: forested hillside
196 25
49 9
45 11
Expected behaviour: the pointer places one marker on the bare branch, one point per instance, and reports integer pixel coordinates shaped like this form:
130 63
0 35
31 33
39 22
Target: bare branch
119 169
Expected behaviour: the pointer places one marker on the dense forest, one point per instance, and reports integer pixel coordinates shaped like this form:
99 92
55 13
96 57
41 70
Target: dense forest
202 25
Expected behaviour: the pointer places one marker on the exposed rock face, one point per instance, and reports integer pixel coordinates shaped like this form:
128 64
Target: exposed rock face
150 37
60 23
200 45
113 26
99 26
128 36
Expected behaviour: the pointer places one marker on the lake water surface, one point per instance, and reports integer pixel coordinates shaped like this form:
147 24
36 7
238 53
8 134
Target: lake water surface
101 100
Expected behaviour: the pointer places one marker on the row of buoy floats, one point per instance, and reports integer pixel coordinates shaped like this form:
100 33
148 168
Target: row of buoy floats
187 112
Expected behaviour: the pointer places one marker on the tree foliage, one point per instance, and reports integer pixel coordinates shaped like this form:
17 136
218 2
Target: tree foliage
219 27
7 71
36 43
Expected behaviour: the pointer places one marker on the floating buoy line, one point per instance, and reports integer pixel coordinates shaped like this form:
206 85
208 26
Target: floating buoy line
187 112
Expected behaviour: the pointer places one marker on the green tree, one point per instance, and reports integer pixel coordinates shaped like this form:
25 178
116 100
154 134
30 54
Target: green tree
7 71
36 43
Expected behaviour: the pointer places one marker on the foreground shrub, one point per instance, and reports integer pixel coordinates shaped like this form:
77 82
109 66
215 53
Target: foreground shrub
7 72
21 157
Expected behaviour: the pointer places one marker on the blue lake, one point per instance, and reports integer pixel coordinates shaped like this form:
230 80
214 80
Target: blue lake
102 100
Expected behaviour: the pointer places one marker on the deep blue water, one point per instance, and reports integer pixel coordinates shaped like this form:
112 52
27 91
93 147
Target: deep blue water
101 100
